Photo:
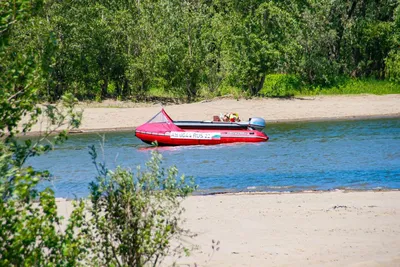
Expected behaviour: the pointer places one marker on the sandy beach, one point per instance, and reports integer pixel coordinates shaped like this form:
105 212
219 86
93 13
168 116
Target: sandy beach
292 229
287 229
119 116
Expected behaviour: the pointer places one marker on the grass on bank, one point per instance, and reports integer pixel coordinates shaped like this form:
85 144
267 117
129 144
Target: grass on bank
282 85
275 86
365 86
285 85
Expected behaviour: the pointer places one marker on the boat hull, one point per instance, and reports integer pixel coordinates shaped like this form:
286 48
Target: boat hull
201 137
161 129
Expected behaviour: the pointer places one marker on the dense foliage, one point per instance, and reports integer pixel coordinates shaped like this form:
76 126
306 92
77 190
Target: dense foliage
118 48
31 230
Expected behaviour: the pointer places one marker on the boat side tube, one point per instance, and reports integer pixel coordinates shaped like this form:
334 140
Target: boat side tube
253 123
211 125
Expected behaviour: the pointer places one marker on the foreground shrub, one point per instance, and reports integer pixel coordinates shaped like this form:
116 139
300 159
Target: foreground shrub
31 231
135 219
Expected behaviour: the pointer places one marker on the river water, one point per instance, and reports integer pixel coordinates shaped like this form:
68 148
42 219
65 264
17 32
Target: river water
359 155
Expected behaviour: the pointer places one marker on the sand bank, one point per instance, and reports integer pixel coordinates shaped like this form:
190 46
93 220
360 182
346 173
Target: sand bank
112 115
296 229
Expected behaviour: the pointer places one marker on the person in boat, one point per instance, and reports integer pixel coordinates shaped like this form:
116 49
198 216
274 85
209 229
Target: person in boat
231 117
234 117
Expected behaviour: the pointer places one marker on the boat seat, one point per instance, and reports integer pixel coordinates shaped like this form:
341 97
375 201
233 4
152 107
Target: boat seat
216 118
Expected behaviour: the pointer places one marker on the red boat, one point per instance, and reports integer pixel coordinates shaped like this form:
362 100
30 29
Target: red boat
166 132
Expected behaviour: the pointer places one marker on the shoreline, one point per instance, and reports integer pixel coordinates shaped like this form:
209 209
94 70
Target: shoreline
308 120
115 116
321 119
262 193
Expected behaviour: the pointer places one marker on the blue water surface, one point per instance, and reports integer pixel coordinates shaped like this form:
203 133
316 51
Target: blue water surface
361 155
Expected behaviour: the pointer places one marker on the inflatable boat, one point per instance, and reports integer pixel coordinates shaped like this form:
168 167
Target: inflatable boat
164 131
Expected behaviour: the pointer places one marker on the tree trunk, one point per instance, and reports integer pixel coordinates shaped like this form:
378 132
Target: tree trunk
104 87
261 83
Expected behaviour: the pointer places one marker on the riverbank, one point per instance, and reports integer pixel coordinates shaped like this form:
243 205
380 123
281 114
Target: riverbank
294 229
123 116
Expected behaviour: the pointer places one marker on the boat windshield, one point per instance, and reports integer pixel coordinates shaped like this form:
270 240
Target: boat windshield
160 117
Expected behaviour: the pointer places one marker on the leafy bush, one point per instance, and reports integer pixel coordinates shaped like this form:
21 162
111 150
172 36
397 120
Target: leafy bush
134 218
356 86
280 85
30 232
230 90
393 66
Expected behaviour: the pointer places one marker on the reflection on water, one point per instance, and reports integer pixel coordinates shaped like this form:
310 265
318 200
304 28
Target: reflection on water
299 156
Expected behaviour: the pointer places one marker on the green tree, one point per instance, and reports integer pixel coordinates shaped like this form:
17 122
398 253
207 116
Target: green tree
180 62
117 48
261 42
89 59
30 233
347 38
393 59
317 64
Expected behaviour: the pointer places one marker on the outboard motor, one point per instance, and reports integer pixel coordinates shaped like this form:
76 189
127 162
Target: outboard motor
257 123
